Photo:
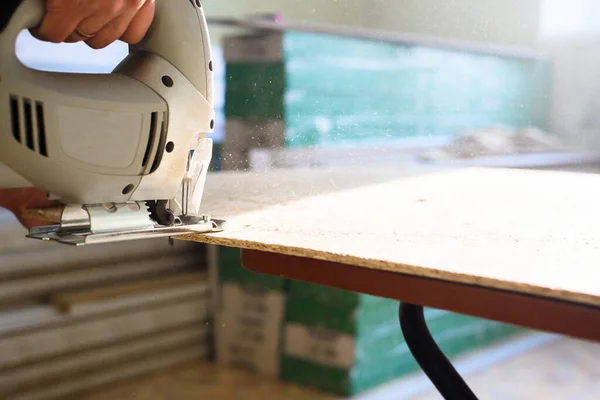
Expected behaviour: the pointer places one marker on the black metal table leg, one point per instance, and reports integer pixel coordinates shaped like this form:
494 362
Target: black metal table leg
429 356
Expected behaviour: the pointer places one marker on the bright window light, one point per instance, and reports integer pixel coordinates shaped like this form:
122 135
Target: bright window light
569 19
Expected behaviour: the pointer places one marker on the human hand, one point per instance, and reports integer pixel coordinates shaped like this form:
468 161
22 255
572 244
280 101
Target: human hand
21 200
96 22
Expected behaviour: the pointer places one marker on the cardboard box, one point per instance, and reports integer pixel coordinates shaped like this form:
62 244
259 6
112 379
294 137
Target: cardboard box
248 328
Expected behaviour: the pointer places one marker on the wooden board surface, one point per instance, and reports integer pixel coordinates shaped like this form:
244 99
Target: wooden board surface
534 232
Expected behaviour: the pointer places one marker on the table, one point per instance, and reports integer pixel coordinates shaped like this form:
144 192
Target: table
515 246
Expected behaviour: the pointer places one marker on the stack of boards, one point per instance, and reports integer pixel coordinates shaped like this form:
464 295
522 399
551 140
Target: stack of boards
340 342
298 90
73 319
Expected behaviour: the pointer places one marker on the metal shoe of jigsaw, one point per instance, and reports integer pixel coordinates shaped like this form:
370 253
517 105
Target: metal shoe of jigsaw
126 152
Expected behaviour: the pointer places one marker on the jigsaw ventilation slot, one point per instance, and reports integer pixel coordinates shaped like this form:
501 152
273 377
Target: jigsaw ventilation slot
27 123
157 137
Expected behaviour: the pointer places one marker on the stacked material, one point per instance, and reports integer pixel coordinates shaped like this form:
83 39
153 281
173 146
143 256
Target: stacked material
249 316
498 141
337 341
73 318
298 90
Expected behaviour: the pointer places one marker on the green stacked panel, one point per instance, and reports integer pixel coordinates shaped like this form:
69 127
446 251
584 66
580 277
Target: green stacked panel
330 339
330 90
249 316
345 343
263 88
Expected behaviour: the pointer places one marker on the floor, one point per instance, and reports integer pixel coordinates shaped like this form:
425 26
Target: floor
204 381
566 369
560 369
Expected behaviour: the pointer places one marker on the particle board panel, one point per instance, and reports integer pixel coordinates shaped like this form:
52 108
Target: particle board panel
127 295
54 370
70 388
65 301
71 334
47 258
532 232
35 287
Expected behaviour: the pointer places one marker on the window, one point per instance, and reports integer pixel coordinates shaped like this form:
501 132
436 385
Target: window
570 19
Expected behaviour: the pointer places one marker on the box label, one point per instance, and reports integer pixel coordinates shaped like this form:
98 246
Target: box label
248 328
252 301
318 345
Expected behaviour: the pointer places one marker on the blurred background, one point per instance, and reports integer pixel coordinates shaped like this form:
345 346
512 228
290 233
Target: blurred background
513 83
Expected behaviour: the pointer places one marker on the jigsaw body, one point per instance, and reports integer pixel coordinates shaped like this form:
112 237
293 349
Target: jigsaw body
126 152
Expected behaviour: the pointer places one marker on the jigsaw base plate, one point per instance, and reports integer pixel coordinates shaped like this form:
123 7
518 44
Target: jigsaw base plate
85 237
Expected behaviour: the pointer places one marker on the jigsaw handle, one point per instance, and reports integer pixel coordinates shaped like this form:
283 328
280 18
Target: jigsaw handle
122 136
178 34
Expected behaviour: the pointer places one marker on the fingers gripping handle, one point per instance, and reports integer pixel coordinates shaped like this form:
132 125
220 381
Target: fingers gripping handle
178 34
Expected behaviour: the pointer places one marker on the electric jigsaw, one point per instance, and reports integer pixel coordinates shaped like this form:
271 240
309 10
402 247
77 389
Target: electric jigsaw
127 152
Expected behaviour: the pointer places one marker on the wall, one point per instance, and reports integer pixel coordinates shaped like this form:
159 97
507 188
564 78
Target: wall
570 35
347 12
576 91
576 19
509 21
339 12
